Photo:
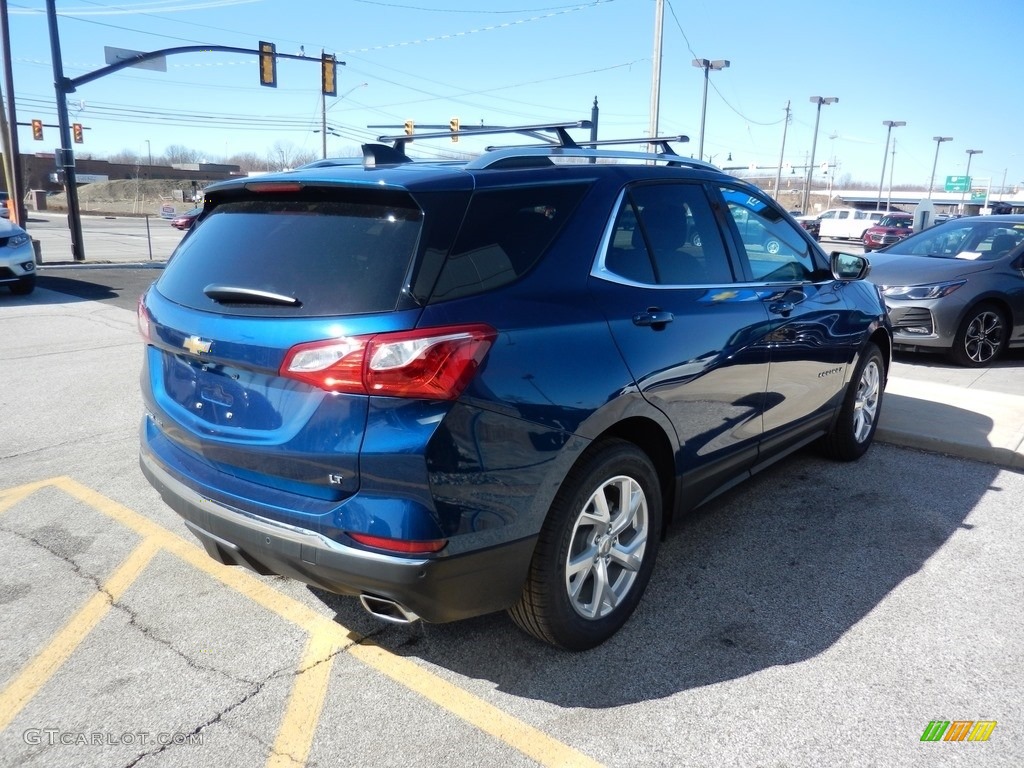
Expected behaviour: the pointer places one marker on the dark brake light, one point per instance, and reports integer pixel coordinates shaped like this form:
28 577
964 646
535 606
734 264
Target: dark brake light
431 363
273 186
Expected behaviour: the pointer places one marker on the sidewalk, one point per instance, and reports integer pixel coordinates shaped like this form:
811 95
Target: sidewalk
965 412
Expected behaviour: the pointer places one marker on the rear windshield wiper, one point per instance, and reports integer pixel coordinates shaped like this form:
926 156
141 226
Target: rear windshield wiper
230 294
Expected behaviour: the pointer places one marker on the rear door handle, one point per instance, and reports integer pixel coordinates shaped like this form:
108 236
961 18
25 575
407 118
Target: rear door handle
653 316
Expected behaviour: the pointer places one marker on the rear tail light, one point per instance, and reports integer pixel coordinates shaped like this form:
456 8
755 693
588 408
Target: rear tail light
143 318
432 363
402 546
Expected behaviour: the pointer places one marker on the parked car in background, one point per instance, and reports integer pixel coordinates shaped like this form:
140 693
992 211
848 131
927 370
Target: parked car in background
5 211
449 388
957 288
811 225
187 219
890 229
17 259
846 223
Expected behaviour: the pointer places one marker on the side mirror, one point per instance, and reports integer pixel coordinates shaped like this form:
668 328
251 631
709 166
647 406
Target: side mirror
848 266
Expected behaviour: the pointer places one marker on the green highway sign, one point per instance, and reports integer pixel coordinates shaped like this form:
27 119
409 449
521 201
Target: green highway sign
978 197
958 183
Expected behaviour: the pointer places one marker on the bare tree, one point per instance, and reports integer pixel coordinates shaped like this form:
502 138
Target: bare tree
125 156
249 161
176 153
285 155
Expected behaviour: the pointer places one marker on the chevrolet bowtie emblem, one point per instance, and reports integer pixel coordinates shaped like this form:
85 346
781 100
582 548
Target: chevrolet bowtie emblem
196 345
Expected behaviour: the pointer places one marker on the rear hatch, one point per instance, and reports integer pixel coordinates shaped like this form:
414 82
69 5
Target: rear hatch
274 280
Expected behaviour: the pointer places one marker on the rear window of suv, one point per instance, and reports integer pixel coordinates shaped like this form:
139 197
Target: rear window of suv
343 253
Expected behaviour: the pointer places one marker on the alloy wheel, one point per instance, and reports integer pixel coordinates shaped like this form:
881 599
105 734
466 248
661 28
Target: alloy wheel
607 547
984 337
865 409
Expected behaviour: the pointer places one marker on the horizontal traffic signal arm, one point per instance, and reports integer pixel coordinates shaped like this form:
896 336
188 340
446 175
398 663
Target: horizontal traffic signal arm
70 84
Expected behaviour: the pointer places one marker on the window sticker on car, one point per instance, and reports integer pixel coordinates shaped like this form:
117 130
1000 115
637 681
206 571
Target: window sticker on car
968 255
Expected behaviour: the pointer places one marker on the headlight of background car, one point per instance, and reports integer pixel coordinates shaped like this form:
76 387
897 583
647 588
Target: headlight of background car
16 240
921 292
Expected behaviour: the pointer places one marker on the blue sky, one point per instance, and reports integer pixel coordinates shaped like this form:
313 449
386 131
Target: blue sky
944 67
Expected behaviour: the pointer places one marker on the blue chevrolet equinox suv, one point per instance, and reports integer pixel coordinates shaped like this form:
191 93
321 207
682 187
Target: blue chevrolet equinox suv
452 388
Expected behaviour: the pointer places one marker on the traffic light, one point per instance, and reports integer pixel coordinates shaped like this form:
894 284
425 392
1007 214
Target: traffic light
328 68
268 64
76 130
37 130
453 124
409 127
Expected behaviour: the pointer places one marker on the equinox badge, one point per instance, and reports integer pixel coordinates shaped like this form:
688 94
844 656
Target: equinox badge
196 345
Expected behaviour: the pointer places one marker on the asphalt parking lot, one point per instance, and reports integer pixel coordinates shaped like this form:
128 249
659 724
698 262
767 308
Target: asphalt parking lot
820 614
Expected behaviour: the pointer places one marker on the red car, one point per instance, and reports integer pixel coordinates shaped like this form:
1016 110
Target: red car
186 220
890 229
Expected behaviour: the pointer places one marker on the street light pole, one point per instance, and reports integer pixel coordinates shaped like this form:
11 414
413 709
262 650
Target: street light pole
707 66
938 143
970 156
819 100
890 124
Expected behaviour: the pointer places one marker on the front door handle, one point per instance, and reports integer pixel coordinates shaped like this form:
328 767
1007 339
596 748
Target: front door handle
653 317
784 308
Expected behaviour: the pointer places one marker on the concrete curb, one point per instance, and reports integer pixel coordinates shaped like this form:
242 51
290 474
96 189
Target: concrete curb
966 422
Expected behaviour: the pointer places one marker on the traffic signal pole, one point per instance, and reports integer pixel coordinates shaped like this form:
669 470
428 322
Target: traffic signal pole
63 86
65 155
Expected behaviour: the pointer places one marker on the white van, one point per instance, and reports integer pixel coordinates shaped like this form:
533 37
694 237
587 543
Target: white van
846 223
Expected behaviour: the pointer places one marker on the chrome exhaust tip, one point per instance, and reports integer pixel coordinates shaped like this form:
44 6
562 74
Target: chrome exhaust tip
387 610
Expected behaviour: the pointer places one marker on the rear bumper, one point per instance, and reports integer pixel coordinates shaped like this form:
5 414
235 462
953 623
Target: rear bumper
437 589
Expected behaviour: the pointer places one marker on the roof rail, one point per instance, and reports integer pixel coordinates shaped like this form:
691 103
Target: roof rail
503 157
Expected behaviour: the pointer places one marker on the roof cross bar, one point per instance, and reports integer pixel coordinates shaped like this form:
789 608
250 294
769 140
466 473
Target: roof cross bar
661 142
560 130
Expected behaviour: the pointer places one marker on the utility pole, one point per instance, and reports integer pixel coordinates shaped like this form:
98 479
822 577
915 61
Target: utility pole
65 155
782 153
594 114
16 186
659 21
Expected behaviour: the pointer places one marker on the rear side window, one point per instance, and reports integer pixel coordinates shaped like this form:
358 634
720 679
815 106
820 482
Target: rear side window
505 232
667 234
349 254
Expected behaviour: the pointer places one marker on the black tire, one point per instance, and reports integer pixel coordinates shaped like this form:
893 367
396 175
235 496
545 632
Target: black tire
981 337
584 525
24 286
854 429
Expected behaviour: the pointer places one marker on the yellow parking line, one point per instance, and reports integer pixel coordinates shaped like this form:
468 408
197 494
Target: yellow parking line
14 698
12 496
530 741
295 734
326 636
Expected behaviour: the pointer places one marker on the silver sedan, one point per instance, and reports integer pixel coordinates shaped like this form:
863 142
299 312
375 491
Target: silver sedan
957 287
